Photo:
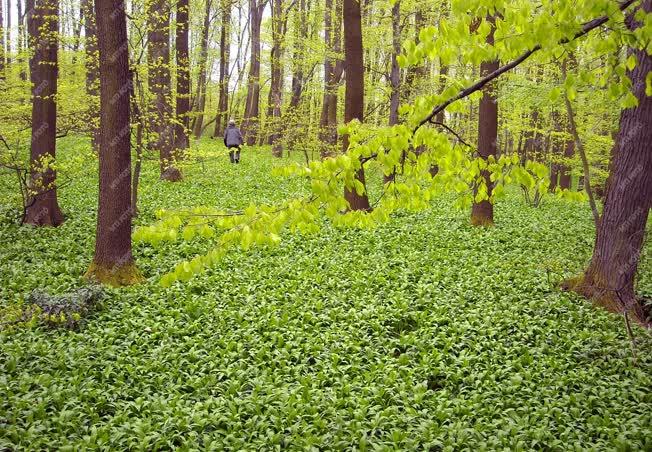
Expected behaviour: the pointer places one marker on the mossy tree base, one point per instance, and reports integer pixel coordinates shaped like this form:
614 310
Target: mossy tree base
477 220
606 299
126 274
172 174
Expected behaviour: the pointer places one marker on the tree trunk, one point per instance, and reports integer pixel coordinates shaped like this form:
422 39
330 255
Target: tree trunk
276 88
8 55
92 69
252 105
395 73
2 44
19 43
200 103
43 207
354 97
609 279
333 68
113 262
158 55
183 80
482 213
225 44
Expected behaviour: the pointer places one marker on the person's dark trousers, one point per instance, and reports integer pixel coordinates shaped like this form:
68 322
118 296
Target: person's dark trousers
234 154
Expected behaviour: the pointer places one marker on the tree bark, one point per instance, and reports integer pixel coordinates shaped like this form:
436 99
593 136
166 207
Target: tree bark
354 96
252 105
92 69
333 69
609 278
482 213
200 103
276 88
158 55
2 43
225 44
43 207
395 73
183 79
113 262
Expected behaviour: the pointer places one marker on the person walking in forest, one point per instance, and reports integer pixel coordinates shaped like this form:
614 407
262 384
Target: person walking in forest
233 140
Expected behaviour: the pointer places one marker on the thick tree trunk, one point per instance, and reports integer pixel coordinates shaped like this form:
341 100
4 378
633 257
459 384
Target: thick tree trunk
92 69
183 80
158 54
200 103
113 262
482 213
43 207
252 105
225 44
609 279
276 88
354 97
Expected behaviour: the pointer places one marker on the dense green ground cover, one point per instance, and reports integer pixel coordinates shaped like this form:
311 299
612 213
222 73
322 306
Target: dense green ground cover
425 333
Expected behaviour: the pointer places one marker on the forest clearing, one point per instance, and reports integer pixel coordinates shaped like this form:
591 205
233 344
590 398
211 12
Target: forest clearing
325 225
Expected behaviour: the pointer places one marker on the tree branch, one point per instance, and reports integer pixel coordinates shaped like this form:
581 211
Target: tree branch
586 28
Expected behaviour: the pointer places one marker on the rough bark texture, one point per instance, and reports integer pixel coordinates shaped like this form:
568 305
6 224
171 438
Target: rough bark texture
158 55
92 71
609 279
200 101
113 262
225 43
183 79
482 213
42 207
252 105
354 96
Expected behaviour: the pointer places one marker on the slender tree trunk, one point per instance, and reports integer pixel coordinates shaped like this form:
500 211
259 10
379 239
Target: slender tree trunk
158 55
225 43
354 97
113 262
43 207
8 31
183 80
200 103
21 38
482 213
2 44
585 162
92 69
292 116
252 105
609 279
333 69
564 169
395 73
276 88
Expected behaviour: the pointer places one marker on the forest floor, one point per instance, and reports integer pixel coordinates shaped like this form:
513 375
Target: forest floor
424 333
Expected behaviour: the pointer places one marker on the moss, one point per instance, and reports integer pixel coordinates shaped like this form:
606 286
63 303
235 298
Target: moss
477 220
606 299
126 274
